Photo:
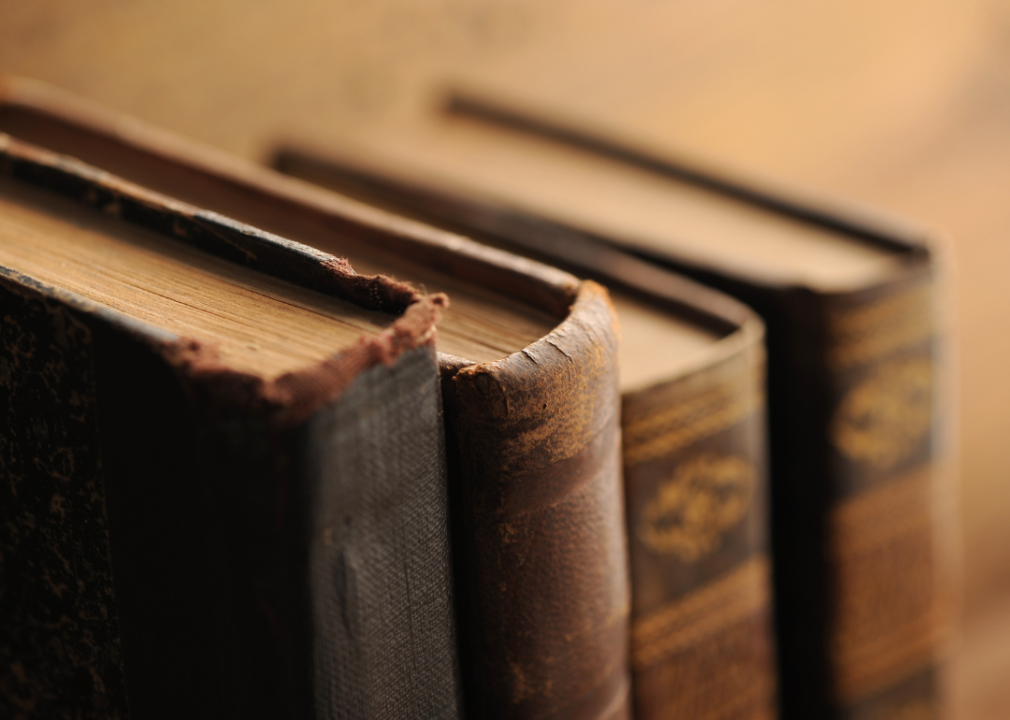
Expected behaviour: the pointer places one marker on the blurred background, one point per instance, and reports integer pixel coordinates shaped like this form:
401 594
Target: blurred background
899 104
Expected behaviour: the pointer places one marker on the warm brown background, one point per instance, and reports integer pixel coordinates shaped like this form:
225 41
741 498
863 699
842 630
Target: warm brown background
903 104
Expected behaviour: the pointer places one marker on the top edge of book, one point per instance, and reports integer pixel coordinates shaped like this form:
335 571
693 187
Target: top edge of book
45 101
212 292
538 285
810 217
641 201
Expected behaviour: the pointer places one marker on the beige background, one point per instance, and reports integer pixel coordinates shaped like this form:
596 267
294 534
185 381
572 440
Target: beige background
903 104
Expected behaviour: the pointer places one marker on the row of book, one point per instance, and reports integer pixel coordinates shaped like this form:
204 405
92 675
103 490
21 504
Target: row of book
247 473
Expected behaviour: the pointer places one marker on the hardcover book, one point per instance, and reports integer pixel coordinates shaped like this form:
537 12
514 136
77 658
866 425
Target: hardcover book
223 474
528 365
861 579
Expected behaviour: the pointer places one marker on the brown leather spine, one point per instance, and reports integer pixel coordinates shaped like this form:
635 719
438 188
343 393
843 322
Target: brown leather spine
534 452
695 478
890 595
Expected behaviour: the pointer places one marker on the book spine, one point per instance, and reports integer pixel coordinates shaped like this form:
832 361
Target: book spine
534 455
887 577
279 569
167 556
59 628
696 485
380 568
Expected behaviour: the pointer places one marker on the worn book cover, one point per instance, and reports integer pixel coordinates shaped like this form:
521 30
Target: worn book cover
224 481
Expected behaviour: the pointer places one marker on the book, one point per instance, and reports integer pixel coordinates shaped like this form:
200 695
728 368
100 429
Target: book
223 469
527 356
862 580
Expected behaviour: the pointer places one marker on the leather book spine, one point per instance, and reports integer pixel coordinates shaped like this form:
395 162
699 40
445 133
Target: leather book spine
889 580
277 569
696 483
329 557
534 458
859 515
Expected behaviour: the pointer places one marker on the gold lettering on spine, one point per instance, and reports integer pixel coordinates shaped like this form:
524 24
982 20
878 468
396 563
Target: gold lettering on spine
691 509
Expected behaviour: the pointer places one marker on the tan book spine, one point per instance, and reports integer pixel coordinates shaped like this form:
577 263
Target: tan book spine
696 484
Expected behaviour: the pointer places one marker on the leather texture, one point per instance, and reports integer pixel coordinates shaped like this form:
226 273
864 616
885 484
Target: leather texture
535 459
380 565
828 582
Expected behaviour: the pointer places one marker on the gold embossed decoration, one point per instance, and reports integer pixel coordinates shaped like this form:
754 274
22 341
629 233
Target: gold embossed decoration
702 499
883 419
